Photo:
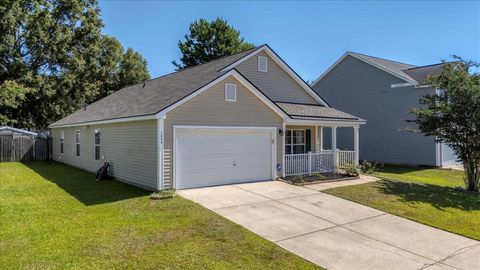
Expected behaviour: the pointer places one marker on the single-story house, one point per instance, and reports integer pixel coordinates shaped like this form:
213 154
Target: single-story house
244 117
383 91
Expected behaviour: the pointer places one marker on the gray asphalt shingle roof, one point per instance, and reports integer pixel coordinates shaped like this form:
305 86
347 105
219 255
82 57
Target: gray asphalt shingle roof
417 74
153 95
315 112
420 74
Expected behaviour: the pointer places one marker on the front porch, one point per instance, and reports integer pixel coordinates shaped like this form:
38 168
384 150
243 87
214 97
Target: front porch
305 151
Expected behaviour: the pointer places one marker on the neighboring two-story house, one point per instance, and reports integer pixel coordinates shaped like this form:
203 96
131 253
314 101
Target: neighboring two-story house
383 91
244 117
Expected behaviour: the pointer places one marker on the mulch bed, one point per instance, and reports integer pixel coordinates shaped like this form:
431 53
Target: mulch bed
317 178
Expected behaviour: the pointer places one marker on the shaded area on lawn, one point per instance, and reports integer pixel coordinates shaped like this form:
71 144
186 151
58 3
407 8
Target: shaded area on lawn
399 169
45 225
83 186
437 196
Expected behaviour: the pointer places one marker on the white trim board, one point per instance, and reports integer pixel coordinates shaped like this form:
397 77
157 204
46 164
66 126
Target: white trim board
284 66
108 121
365 61
273 131
324 123
160 153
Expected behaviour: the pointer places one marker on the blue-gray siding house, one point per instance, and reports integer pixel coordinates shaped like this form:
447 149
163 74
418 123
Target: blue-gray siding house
383 92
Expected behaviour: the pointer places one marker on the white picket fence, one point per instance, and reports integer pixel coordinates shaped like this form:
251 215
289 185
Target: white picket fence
322 162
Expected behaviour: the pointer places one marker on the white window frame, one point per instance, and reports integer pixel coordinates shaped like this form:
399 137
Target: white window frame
234 89
291 144
266 63
95 145
77 143
62 142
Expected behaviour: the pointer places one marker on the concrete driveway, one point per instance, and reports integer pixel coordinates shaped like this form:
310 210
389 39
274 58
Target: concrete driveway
336 233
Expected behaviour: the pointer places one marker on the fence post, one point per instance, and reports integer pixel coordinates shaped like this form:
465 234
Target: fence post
12 150
34 141
337 159
309 162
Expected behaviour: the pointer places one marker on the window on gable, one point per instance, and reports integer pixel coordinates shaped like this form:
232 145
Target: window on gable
262 64
96 144
62 139
77 143
230 92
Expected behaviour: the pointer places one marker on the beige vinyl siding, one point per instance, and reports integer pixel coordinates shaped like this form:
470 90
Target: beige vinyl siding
130 147
211 109
275 83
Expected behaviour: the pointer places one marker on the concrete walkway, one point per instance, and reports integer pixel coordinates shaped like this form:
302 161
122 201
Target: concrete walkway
336 233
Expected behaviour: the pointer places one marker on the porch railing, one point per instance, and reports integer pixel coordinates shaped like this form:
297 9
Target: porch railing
346 158
321 162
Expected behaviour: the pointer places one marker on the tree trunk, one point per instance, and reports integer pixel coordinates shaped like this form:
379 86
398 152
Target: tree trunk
472 176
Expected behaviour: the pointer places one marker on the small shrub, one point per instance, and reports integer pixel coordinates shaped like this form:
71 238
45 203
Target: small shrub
369 167
351 170
298 179
163 194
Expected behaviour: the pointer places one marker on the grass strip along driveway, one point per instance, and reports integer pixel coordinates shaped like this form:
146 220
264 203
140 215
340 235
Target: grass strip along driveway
424 195
56 217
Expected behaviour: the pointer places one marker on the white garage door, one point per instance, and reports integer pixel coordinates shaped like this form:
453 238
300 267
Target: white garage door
209 156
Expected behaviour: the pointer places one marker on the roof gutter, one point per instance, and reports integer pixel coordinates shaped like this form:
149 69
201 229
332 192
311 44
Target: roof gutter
327 123
108 121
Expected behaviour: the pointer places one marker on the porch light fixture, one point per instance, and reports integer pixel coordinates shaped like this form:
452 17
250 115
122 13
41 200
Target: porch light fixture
280 132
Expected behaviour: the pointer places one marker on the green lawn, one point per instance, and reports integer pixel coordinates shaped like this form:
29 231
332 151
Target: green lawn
56 217
424 195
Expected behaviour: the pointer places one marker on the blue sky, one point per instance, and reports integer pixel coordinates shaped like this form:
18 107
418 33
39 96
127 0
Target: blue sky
309 36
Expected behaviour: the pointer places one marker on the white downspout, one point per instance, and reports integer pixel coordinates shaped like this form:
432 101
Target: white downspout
160 148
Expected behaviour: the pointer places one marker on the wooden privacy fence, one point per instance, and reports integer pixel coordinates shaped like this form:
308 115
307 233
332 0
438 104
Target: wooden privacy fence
24 149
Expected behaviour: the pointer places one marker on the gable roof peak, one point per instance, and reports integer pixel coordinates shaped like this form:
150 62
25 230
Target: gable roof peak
379 58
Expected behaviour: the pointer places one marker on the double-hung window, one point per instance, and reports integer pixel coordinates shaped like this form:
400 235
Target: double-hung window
295 141
62 139
77 143
96 144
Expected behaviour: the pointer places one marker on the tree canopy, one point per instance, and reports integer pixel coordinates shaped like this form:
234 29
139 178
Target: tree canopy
207 41
55 52
453 115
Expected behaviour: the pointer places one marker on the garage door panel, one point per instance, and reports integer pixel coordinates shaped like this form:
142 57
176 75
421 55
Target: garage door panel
222 156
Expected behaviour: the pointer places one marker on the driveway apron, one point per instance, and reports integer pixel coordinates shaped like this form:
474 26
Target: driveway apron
336 233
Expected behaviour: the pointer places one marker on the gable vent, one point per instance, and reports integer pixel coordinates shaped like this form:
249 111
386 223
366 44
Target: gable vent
262 63
230 92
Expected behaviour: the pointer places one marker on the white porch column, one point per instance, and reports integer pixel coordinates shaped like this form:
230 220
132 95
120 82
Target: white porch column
356 144
321 139
334 148
160 157
284 126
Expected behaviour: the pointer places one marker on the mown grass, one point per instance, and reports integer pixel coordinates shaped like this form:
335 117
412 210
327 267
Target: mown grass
57 217
425 195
